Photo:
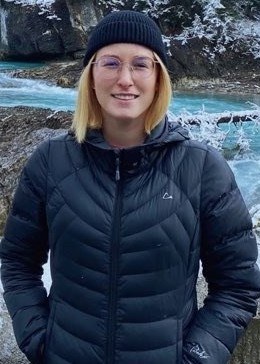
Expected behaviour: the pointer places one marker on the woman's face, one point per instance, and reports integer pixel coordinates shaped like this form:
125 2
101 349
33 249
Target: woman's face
124 94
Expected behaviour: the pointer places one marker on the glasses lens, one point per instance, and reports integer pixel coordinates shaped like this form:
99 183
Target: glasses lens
109 63
109 66
142 66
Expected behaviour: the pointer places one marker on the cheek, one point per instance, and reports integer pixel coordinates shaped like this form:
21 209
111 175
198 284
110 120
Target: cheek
95 79
102 91
152 86
100 85
97 87
153 89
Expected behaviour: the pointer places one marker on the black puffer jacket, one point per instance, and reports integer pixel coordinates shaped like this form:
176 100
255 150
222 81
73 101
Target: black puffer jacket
126 230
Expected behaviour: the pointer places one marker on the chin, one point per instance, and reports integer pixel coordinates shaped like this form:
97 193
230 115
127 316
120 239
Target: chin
128 116
125 118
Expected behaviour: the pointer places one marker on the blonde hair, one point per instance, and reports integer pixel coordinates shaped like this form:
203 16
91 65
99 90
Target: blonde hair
88 113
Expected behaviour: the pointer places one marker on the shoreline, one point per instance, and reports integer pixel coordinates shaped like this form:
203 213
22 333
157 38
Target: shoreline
67 73
243 85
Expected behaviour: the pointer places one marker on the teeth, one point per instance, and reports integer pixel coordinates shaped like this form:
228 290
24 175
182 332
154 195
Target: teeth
125 97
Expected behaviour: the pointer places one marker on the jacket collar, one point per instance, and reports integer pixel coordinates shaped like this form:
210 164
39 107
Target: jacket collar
136 159
165 132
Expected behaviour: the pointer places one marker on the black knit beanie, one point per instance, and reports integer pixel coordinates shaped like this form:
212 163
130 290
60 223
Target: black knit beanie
126 27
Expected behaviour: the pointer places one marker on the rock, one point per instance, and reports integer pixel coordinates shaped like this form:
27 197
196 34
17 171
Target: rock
10 353
32 32
21 130
63 81
248 349
64 74
189 61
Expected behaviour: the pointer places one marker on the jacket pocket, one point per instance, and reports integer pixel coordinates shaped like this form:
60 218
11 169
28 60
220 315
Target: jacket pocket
194 251
50 326
179 341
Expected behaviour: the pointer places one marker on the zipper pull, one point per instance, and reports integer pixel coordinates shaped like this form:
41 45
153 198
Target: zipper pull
117 168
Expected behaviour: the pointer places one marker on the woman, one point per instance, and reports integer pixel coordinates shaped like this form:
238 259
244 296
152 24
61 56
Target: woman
128 206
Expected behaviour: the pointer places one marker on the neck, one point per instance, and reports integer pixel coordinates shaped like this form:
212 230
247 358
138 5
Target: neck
123 135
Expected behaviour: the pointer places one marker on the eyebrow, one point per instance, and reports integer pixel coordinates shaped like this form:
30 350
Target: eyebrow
118 57
110 55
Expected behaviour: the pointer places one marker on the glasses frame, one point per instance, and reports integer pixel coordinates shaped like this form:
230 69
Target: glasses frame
130 67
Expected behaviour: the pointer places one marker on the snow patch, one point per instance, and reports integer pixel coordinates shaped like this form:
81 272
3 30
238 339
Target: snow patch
113 4
222 31
45 6
40 3
3 17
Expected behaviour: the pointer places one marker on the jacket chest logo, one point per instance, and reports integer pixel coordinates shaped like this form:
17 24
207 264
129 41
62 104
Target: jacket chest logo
166 196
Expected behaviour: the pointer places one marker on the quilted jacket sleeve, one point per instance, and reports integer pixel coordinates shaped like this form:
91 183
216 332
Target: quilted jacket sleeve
228 255
23 251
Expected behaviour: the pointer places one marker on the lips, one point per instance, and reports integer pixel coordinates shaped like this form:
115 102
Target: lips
125 96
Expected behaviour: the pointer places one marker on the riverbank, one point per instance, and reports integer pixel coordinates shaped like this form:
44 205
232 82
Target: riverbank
242 83
67 73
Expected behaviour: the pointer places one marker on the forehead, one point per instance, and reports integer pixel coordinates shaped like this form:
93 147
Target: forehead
125 50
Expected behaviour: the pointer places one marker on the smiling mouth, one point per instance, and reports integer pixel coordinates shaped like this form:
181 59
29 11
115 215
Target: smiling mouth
125 96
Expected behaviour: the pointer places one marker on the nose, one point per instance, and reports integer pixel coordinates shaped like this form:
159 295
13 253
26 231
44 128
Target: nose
125 75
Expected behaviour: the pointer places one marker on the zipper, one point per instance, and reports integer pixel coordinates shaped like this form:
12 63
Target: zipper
118 167
113 269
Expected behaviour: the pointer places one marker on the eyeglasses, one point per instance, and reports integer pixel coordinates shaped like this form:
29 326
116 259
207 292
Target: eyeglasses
110 67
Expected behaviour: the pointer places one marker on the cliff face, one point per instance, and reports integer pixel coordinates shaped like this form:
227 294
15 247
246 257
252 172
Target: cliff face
31 32
34 32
